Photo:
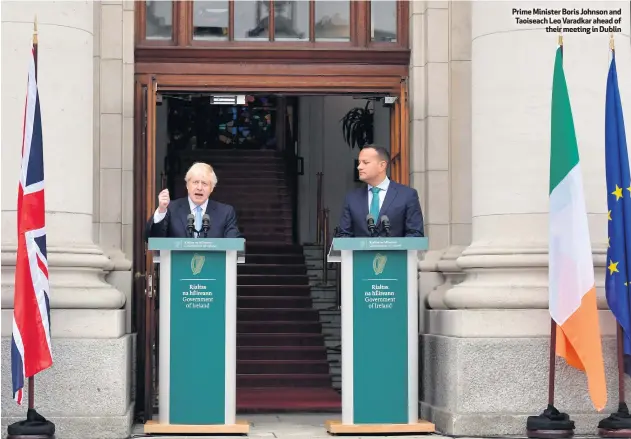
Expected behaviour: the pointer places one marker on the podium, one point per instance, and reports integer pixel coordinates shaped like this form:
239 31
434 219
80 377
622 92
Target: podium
198 330
379 335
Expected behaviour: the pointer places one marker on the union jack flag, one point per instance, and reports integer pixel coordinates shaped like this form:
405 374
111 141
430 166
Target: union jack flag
30 345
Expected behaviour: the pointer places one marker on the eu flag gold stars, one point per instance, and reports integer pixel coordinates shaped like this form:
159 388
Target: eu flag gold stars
613 267
618 274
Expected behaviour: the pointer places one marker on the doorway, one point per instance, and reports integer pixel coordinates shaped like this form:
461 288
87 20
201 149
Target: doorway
228 141
231 133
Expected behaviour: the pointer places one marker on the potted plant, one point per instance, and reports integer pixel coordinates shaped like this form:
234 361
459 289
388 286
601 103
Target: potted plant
357 129
357 126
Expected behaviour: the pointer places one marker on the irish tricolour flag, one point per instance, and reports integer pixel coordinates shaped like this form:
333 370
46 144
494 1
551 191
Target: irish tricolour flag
571 268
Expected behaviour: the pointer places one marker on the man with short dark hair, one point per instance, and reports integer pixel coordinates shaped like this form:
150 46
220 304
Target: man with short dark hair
381 197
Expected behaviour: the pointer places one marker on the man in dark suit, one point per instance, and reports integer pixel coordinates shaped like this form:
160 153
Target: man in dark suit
380 197
170 218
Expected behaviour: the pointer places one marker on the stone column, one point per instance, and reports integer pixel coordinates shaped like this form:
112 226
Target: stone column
486 354
113 140
457 153
429 134
86 392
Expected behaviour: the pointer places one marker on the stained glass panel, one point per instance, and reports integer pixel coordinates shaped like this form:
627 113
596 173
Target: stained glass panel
196 124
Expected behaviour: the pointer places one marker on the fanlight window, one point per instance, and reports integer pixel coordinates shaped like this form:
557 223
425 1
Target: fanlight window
328 22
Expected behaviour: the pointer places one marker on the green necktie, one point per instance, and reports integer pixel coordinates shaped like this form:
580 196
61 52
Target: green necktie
374 204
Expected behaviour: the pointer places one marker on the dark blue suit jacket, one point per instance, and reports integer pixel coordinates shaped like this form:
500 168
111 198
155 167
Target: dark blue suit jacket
223 221
401 206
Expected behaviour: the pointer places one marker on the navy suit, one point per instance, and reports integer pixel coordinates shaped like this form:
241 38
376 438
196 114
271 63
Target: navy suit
223 221
401 205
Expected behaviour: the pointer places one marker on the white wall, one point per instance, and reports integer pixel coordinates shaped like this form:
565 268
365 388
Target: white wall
323 148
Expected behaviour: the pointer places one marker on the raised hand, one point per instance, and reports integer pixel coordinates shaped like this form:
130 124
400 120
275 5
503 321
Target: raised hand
163 201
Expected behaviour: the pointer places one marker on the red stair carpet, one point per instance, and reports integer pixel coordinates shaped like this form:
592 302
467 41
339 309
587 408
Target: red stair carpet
281 355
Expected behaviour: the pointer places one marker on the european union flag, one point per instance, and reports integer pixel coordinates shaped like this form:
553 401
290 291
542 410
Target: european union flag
617 281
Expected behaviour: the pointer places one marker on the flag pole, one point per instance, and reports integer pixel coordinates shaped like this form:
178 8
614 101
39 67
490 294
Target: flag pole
553 327
621 395
551 424
31 380
611 42
622 405
35 425
35 41
552 371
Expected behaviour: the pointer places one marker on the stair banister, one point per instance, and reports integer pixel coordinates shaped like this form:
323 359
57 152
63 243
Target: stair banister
325 245
319 208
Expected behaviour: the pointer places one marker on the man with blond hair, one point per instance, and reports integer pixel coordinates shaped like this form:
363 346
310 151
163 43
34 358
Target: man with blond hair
170 218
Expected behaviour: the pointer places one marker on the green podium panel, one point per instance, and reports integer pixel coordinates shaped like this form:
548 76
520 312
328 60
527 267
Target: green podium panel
197 338
197 331
379 335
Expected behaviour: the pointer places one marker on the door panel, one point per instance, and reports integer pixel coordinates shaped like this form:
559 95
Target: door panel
399 138
151 340
144 278
404 138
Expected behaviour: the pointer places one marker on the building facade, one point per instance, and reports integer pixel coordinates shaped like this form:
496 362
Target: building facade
471 135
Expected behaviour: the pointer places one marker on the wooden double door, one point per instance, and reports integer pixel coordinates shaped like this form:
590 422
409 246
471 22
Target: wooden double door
388 80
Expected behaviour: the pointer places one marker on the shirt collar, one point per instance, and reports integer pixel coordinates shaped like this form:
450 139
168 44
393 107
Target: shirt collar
383 185
192 205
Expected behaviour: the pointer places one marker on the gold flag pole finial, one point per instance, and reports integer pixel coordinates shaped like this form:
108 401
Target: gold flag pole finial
560 40
611 43
35 30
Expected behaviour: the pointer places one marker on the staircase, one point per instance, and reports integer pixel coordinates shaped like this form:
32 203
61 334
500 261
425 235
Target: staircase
282 362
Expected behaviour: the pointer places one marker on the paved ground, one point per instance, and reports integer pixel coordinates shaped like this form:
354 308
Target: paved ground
304 426
290 426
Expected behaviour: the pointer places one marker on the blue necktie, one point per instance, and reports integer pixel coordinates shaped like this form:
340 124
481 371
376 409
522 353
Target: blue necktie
198 218
374 204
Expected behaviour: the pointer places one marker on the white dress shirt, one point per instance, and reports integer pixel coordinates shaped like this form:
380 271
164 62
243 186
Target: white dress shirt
157 216
382 193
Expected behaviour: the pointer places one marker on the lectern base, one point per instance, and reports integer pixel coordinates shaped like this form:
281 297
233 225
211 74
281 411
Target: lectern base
336 427
603 432
240 427
28 436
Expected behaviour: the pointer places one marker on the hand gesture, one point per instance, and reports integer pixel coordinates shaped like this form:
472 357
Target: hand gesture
163 201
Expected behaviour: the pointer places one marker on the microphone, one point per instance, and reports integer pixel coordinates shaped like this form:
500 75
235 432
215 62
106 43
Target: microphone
205 224
370 220
190 225
385 222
